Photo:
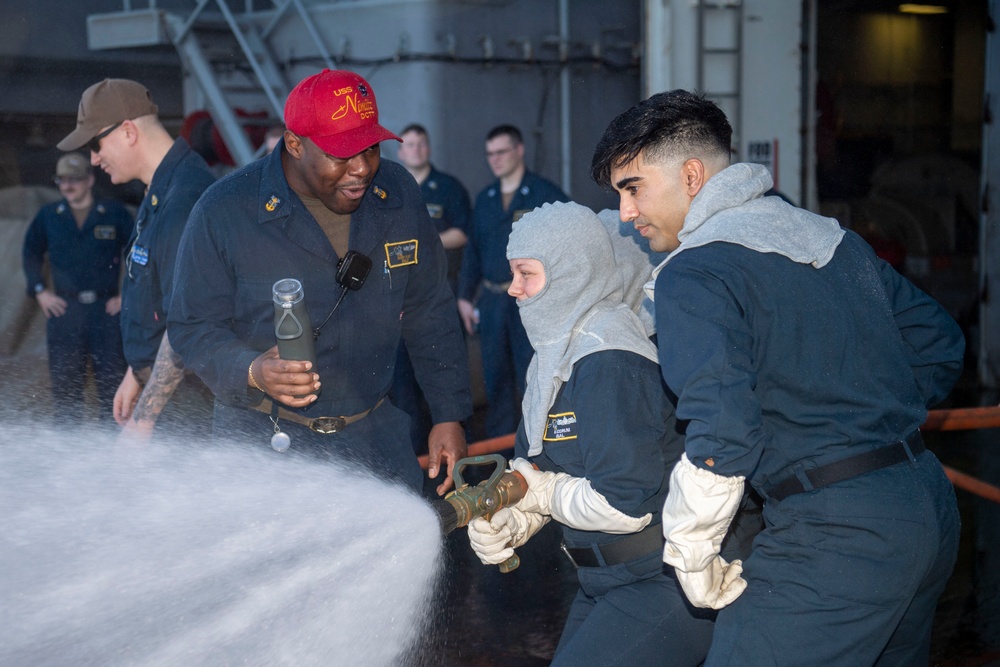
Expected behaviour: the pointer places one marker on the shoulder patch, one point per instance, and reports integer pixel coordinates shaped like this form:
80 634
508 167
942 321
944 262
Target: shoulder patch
561 426
435 210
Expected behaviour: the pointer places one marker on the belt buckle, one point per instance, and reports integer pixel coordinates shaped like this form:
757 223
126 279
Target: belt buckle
327 425
87 297
562 545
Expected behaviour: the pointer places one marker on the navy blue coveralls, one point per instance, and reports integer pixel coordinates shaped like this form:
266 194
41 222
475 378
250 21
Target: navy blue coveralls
178 182
780 368
251 230
505 349
617 429
448 207
86 265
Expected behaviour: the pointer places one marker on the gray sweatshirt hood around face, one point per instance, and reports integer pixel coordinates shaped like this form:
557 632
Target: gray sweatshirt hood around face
730 208
582 309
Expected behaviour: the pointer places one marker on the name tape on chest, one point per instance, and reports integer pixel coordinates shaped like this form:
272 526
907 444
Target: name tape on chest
560 426
105 233
140 255
401 253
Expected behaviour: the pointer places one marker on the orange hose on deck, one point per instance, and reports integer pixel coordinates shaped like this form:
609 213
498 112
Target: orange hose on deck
960 419
973 485
963 419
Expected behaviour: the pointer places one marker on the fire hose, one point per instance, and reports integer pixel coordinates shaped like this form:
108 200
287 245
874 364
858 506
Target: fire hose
961 419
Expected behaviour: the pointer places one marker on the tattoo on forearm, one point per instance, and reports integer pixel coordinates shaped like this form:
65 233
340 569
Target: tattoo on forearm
168 371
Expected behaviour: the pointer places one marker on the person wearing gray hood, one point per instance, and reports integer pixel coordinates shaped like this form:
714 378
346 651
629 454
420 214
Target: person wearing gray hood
804 366
596 444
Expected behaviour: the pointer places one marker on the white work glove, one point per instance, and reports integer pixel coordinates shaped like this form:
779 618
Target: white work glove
572 501
716 586
494 541
696 516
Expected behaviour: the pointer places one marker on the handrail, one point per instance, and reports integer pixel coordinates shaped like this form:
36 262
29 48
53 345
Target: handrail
963 419
958 419
972 485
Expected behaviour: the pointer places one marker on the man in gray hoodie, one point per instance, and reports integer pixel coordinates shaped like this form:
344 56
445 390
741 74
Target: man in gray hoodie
804 365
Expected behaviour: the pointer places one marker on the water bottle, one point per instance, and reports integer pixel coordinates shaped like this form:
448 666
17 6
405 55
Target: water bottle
292 327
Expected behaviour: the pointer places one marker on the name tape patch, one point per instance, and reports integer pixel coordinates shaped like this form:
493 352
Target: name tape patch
560 426
140 255
401 253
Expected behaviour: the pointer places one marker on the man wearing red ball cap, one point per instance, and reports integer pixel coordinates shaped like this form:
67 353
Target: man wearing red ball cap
323 200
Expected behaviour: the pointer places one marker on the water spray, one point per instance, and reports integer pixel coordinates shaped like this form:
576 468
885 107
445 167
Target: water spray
465 503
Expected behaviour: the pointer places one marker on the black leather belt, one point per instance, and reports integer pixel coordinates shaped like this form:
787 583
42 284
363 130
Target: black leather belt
838 471
324 425
630 547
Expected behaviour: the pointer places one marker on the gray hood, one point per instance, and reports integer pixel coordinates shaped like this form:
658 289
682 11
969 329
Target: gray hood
581 309
730 208
635 261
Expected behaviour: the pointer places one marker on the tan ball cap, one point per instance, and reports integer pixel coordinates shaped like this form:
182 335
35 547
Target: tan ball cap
106 103
72 165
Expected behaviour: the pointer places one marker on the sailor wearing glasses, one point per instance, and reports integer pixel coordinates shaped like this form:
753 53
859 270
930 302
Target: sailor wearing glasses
118 123
483 301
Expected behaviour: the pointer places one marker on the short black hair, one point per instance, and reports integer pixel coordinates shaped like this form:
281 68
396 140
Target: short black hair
663 126
414 127
510 130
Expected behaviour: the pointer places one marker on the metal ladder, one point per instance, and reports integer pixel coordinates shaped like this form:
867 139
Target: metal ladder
219 68
720 42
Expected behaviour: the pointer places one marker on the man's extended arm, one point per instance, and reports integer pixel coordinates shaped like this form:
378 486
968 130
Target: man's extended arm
167 373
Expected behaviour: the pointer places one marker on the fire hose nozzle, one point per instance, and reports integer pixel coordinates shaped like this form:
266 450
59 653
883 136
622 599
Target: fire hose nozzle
465 503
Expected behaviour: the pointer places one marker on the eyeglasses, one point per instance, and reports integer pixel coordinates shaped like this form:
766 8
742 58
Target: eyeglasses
95 144
492 154
68 180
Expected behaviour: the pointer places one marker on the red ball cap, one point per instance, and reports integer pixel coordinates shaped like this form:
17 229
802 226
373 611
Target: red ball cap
336 109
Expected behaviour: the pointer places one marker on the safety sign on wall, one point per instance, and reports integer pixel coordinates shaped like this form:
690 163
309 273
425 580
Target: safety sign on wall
765 153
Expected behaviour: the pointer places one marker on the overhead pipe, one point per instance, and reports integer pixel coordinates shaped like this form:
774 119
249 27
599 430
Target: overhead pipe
565 104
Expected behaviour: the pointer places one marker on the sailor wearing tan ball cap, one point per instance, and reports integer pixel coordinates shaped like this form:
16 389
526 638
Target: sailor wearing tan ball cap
117 123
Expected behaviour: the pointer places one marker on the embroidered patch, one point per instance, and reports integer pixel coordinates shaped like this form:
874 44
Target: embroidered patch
272 203
435 211
140 255
520 212
561 426
105 233
401 253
